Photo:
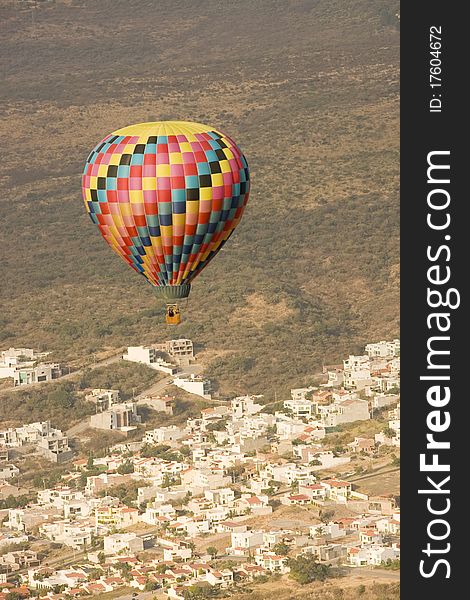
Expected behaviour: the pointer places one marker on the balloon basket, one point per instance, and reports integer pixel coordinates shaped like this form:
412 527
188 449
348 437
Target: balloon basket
173 315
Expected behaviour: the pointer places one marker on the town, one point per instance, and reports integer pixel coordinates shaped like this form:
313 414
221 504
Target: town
241 493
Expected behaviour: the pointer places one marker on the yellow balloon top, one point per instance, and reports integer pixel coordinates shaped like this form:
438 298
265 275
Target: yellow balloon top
164 128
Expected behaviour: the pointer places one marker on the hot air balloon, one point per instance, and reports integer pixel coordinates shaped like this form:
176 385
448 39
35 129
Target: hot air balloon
166 196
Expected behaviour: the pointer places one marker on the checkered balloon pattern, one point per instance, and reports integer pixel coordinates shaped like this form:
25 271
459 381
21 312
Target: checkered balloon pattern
166 196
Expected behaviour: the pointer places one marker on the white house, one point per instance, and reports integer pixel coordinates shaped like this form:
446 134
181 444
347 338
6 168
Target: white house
8 471
383 349
300 409
194 385
118 542
149 356
245 405
160 435
245 540
36 374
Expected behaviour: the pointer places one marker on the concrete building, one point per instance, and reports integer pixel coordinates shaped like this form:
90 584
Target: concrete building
50 442
245 405
300 393
181 350
149 356
246 539
194 385
300 409
103 399
160 435
345 412
127 542
14 358
120 417
159 403
8 471
40 373
55 447
75 535
383 349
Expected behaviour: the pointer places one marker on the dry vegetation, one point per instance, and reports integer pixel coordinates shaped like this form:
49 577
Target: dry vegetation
310 90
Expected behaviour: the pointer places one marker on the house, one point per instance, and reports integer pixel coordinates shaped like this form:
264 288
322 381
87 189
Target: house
315 491
159 403
194 385
258 505
74 534
245 405
161 435
25 519
296 499
319 460
300 393
361 444
20 559
199 480
336 489
335 378
300 409
346 411
289 473
326 552
244 540
389 525
129 542
103 398
381 400
333 530
8 471
222 496
4 454
98 483
36 374
14 358
383 349
55 447
181 350
249 572
149 356
221 579
369 536
119 517
119 417
372 555
272 562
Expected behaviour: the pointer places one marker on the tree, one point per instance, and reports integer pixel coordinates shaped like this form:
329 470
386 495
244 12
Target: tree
325 516
89 464
125 569
305 569
281 548
126 467
166 482
212 551
200 591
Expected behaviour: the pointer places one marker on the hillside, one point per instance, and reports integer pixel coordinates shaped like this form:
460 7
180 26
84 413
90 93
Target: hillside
310 91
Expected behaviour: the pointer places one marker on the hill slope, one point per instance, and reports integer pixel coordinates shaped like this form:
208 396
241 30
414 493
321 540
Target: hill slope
309 90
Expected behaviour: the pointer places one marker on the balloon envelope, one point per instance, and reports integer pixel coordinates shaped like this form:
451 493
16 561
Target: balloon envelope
166 196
